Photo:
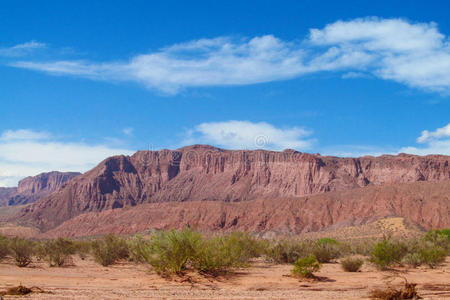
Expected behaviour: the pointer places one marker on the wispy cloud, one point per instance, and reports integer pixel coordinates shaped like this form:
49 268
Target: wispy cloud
27 152
128 131
21 49
248 135
434 142
415 54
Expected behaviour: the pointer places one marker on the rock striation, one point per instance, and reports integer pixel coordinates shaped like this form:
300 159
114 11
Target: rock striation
205 173
424 203
33 188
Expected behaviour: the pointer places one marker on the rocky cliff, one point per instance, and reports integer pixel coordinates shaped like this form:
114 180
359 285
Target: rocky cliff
204 173
33 188
423 203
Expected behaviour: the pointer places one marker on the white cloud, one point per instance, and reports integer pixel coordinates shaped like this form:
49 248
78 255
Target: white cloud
128 131
415 54
26 152
22 49
435 142
427 136
248 135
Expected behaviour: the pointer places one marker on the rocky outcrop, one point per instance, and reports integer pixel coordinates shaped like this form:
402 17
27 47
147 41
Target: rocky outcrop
205 173
423 203
33 188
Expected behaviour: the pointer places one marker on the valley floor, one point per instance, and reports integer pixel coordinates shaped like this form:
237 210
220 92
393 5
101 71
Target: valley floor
88 280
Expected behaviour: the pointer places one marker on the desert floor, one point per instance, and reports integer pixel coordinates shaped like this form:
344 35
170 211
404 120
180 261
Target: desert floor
88 280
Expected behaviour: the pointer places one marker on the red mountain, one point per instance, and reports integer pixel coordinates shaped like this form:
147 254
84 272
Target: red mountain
204 173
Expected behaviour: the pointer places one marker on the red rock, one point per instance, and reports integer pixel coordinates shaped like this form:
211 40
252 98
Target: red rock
199 173
33 188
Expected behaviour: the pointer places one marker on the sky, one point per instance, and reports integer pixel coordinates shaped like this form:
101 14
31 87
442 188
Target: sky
84 80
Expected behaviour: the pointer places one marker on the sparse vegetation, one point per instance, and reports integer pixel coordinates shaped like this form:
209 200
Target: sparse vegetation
326 250
57 252
109 250
386 253
4 249
306 266
288 251
352 264
22 251
409 291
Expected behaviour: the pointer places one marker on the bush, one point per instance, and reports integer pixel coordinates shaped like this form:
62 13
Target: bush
327 250
286 251
83 248
413 259
215 256
109 250
168 252
4 249
439 238
433 256
385 253
22 251
58 252
350 264
306 266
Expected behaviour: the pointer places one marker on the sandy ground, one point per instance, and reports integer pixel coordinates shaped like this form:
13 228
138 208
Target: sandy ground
88 280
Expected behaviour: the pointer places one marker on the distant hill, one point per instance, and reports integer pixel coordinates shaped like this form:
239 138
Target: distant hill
184 182
33 188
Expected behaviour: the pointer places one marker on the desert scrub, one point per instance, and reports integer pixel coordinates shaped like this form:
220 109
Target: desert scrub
22 251
439 238
352 264
83 248
327 250
169 251
386 253
306 266
288 251
216 256
412 259
57 253
4 249
109 250
251 247
433 255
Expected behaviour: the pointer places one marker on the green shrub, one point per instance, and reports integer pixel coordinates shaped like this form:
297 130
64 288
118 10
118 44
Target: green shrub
22 251
4 249
83 248
433 255
327 250
412 259
287 251
169 251
58 252
251 247
385 253
306 266
109 250
352 264
439 238
217 255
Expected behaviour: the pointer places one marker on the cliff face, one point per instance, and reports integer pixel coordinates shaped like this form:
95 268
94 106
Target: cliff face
33 188
424 203
208 173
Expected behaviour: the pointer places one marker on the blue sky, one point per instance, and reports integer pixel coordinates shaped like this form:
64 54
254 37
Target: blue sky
80 81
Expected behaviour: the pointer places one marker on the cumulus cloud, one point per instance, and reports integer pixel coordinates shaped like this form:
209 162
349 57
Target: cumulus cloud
21 49
249 135
27 152
415 54
434 142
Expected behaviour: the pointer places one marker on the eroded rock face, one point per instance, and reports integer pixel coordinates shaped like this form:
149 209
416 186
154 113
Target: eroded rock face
33 188
205 173
423 203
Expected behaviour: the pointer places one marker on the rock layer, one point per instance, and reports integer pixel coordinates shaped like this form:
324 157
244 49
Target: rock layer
33 188
424 203
206 173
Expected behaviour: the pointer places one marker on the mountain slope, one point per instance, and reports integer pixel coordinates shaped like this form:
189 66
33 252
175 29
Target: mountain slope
207 173
423 203
33 188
